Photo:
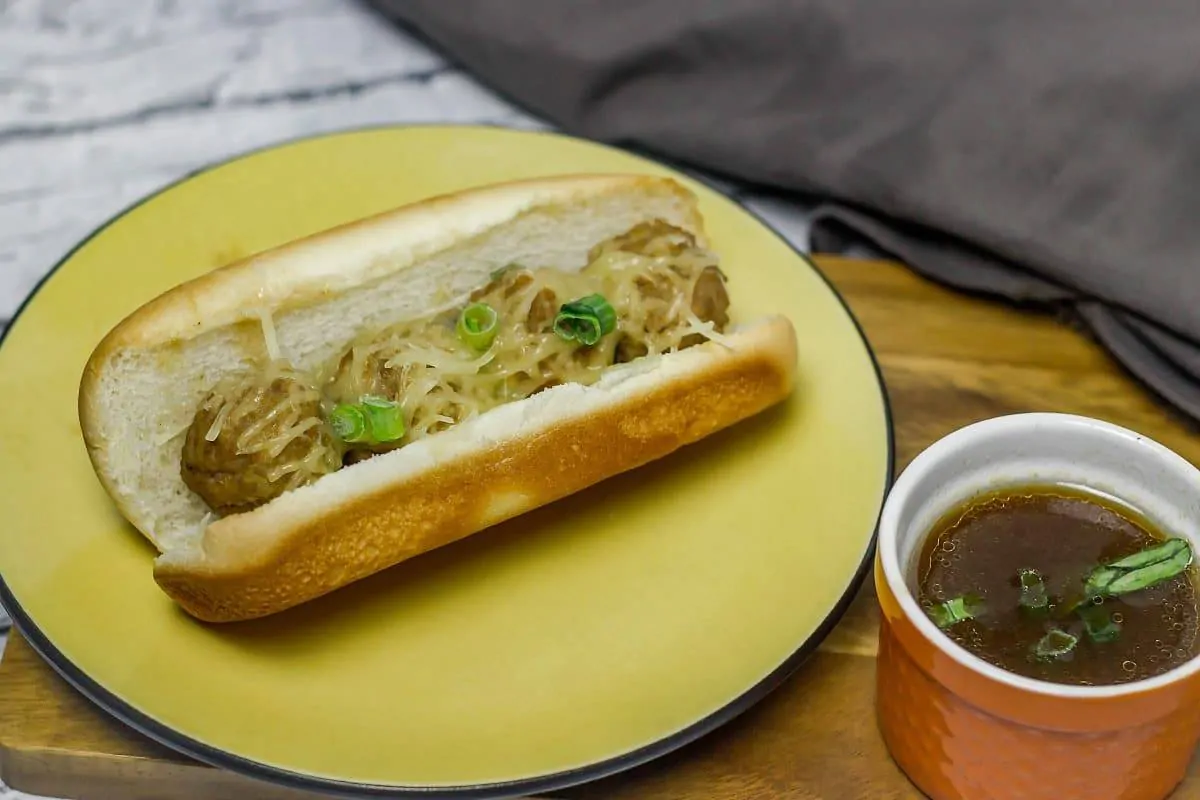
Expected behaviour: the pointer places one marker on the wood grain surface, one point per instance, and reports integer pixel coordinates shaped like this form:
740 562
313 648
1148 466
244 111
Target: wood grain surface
948 360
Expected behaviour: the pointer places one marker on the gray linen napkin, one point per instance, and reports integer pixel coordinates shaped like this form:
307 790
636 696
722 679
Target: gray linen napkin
1042 152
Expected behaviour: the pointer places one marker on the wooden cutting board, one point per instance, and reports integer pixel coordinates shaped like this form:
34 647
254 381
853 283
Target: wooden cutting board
948 360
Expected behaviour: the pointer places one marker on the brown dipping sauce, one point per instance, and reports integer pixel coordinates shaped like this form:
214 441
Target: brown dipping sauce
1064 533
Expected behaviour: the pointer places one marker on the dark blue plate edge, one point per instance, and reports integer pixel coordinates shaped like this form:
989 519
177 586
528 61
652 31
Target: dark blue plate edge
216 757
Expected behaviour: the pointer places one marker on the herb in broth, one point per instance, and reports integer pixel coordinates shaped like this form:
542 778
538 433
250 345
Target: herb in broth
1055 646
1034 599
951 612
1061 585
1098 623
1145 569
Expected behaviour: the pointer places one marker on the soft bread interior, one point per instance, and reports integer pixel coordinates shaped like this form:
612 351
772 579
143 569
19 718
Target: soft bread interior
142 385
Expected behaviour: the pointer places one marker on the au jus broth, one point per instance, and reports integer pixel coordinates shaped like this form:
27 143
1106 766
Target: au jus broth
1061 584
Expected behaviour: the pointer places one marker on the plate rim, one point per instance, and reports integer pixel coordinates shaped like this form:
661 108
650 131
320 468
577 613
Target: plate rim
161 733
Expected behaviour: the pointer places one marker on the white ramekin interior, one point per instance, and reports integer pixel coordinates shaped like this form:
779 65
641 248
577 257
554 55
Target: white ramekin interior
1033 449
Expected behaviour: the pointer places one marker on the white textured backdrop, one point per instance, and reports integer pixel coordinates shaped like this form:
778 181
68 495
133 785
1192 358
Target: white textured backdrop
104 101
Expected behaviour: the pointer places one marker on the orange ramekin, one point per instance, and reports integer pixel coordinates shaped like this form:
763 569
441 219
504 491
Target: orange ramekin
962 728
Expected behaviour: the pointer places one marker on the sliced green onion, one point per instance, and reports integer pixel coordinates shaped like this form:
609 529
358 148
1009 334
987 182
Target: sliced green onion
1099 624
385 419
1152 575
1033 592
477 326
1055 645
585 320
1141 570
1098 581
1144 558
348 423
951 612
373 420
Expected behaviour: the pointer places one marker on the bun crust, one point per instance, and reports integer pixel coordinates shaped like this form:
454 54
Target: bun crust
436 490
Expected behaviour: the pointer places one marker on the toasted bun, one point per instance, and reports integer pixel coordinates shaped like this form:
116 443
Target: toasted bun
143 383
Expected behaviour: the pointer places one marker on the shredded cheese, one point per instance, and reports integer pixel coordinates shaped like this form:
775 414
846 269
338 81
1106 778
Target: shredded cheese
706 329
269 336
649 277
652 277
168 436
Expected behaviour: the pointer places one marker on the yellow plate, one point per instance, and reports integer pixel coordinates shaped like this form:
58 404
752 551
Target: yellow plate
571 643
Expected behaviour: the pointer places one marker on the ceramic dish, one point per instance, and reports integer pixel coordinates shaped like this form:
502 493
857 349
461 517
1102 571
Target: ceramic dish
962 728
571 643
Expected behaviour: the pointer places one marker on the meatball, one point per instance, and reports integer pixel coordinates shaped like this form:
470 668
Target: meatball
507 281
710 301
373 376
512 280
233 479
542 311
661 291
629 349
654 238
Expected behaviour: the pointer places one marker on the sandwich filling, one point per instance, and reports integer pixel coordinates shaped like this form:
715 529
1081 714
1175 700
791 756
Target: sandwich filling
649 291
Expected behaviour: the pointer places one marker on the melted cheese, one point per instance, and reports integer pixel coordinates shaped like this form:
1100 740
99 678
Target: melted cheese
440 381
649 276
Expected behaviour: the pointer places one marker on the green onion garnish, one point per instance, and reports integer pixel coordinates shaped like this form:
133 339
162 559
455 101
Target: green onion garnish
1141 570
348 423
385 418
1099 624
585 320
1033 592
1054 645
1098 581
1152 574
1152 555
477 326
951 612
373 420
